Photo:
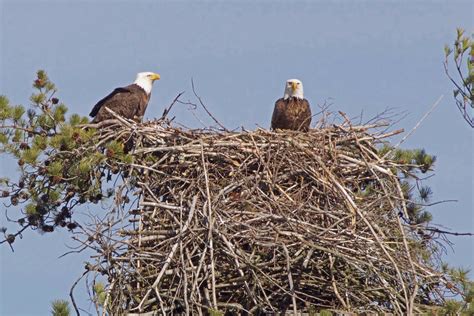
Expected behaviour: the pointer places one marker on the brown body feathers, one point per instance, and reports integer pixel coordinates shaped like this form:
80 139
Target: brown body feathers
292 113
130 102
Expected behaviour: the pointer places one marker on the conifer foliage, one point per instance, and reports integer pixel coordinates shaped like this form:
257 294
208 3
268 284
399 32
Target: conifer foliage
60 308
60 165
462 77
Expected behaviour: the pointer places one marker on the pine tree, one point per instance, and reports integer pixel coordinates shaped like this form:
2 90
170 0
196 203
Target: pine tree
59 166
463 78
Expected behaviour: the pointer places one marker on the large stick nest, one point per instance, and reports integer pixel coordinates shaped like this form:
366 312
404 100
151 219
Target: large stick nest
265 222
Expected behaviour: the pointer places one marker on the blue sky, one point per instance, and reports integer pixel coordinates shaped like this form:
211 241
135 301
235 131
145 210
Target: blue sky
364 56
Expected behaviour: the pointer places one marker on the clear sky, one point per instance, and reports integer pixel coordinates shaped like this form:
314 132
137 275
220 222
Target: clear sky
364 56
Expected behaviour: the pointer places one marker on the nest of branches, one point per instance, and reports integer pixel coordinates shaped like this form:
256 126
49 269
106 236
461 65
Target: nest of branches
264 222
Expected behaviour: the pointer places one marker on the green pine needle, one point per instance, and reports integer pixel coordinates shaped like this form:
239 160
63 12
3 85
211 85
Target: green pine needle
60 308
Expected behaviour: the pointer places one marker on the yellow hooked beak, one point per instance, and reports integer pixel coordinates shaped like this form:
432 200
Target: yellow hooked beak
155 77
294 85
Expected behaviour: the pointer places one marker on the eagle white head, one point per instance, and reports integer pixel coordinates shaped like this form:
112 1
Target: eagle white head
293 88
145 80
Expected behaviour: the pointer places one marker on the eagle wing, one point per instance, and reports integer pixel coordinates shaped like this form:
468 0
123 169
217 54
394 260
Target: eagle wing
304 117
124 101
278 117
109 97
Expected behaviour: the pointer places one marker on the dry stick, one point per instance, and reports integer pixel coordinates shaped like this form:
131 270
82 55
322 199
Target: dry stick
184 272
416 126
162 307
439 231
402 230
389 134
121 119
140 229
333 281
168 109
170 255
205 108
232 247
274 282
413 295
198 271
260 285
193 268
185 279
71 295
405 243
290 280
152 313
107 298
205 289
105 123
210 233
358 212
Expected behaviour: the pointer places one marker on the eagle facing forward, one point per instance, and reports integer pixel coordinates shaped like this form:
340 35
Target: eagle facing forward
130 101
292 111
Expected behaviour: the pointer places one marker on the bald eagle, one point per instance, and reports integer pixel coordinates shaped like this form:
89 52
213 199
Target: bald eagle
293 110
130 101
